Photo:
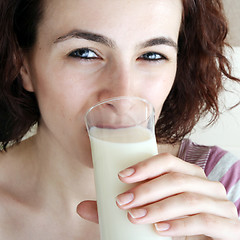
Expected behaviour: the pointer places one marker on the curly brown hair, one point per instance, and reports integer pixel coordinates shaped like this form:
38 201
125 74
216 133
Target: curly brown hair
18 107
199 78
201 70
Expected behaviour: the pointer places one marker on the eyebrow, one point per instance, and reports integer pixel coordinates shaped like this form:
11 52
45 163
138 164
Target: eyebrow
110 43
159 41
88 36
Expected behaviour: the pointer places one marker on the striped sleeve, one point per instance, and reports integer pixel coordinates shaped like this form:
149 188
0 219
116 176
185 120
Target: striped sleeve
218 164
225 169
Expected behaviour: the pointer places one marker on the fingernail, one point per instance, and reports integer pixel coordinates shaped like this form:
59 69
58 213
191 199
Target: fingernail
138 213
161 227
125 198
127 172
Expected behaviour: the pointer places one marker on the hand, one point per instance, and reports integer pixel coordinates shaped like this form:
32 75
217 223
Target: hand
177 197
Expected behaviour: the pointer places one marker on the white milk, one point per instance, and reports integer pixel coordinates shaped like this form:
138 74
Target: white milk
112 151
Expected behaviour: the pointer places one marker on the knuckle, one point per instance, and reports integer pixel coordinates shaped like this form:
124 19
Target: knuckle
220 189
166 155
147 189
142 191
170 160
178 178
142 166
191 199
200 170
231 209
207 219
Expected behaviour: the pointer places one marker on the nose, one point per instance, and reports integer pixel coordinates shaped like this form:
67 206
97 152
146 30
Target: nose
120 105
119 80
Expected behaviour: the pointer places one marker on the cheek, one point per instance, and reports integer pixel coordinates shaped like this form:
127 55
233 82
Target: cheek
158 92
62 95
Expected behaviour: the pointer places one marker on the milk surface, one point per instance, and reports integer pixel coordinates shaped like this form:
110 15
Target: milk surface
112 151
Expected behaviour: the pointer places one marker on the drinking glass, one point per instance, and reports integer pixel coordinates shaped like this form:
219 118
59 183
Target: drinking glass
121 132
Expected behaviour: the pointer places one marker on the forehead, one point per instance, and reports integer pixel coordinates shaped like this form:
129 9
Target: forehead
113 18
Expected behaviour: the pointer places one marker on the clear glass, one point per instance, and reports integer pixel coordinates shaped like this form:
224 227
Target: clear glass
121 132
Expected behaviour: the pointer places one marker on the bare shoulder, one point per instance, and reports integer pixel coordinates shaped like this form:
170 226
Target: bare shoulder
13 174
10 182
11 216
13 163
6 163
14 168
8 174
7 204
8 167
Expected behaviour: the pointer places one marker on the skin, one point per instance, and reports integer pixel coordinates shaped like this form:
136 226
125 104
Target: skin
54 166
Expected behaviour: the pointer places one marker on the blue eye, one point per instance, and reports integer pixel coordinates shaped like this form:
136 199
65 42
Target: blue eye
152 56
84 53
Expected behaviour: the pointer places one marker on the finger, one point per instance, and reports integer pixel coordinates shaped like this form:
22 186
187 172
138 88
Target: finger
168 185
201 224
88 210
159 165
180 206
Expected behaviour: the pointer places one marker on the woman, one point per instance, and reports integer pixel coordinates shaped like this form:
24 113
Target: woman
58 58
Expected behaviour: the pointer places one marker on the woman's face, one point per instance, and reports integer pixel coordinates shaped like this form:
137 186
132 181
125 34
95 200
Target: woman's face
90 50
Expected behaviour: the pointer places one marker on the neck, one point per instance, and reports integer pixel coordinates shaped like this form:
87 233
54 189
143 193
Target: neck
168 148
58 174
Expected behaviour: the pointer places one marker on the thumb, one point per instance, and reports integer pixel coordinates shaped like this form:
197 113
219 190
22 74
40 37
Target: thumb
88 210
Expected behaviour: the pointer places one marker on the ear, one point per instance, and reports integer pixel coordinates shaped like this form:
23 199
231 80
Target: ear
26 76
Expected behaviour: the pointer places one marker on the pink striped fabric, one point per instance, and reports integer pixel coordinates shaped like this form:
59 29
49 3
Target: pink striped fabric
218 164
232 176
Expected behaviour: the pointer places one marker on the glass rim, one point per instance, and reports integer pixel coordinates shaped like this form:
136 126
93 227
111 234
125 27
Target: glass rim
107 100
118 98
